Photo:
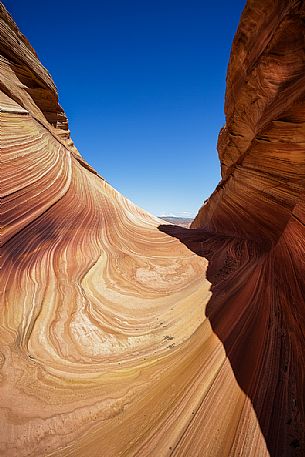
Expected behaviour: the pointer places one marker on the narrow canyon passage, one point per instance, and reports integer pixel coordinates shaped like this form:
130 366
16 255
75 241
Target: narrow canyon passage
259 322
107 346
125 336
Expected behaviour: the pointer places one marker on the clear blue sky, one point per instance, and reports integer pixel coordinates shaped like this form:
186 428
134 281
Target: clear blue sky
142 83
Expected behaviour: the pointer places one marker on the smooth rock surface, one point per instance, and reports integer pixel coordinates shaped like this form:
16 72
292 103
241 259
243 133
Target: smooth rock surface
122 335
261 198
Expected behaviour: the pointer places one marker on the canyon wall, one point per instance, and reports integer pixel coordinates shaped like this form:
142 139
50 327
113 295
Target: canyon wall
261 198
122 335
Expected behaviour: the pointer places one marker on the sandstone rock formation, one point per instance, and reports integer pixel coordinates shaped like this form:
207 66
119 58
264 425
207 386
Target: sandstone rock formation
125 336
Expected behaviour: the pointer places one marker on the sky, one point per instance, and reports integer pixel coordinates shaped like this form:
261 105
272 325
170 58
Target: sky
142 83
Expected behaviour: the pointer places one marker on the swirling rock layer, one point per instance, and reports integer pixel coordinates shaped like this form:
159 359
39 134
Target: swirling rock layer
122 336
260 203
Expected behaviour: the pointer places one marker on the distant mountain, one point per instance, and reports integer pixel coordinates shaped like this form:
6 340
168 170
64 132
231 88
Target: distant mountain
183 221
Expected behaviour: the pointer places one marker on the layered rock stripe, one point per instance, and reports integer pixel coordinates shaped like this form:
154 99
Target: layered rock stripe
122 335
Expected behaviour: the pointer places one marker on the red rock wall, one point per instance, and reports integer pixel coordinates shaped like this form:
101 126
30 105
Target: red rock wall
261 147
261 198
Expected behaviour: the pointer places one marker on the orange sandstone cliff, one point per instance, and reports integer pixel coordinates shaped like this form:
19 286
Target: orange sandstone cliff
125 336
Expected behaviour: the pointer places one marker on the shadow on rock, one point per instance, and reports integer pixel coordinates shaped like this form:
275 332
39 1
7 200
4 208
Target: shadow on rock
250 312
